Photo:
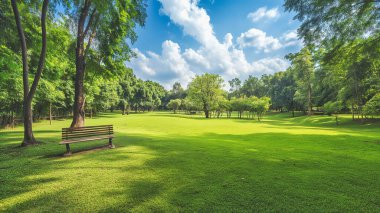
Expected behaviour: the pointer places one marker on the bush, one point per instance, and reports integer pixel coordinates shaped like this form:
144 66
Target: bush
372 107
174 104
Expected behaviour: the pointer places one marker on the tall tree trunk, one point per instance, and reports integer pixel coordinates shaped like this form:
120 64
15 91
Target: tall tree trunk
29 93
309 106
79 99
50 115
12 120
205 109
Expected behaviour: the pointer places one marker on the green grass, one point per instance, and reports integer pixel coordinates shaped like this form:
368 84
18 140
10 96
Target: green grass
171 163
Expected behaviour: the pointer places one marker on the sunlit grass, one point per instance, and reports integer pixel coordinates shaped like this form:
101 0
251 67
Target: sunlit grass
167 162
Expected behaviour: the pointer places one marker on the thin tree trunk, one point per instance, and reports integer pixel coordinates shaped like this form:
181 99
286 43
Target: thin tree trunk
207 114
29 93
12 120
309 100
79 99
50 115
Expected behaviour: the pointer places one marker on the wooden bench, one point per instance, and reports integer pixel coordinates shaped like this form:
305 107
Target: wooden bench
87 133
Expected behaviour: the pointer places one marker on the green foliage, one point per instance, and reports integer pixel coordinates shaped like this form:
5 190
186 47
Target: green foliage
174 104
253 86
235 87
372 107
344 20
302 67
205 90
11 91
332 107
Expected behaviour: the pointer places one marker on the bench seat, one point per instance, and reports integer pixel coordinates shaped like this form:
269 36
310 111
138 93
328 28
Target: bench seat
86 139
86 133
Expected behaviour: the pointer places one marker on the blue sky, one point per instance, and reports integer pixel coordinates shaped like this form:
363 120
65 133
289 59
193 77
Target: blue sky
233 38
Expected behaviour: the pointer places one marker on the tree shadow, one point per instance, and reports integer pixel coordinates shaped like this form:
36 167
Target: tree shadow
206 172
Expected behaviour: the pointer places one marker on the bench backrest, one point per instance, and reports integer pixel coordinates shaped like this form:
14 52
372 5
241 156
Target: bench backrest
86 131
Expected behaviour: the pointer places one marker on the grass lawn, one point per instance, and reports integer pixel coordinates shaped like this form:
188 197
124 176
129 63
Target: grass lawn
166 162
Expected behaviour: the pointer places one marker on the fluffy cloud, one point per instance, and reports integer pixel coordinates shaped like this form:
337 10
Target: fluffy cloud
263 13
166 68
291 39
258 39
212 56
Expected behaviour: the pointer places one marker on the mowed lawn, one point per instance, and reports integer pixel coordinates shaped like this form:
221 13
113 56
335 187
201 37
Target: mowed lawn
174 163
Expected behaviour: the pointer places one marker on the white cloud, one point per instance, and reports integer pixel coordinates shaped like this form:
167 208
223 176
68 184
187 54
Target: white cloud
292 35
270 65
263 13
258 39
212 56
166 68
291 39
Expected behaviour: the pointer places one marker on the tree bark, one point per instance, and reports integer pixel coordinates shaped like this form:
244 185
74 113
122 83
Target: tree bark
309 106
79 99
29 93
50 115
207 113
12 120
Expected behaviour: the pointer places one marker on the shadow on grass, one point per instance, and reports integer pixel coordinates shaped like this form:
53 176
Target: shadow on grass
208 172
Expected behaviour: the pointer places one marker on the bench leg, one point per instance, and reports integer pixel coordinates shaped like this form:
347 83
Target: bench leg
110 145
68 151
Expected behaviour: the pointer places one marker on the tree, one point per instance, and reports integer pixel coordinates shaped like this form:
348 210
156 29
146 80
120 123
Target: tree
174 104
372 107
11 95
262 105
333 108
47 97
238 104
140 95
253 86
204 90
344 20
178 90
29 92
302 67
155 94
94 18
235 86
346 36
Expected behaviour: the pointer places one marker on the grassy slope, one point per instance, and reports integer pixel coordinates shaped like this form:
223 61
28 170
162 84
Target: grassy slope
167 162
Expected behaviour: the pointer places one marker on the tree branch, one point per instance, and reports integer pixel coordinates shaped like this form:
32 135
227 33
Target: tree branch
82 18
25 68
90 39
92 16
41 62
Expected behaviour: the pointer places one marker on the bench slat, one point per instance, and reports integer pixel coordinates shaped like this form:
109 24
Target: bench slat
86 127
84 136
88 132
86 139
89 129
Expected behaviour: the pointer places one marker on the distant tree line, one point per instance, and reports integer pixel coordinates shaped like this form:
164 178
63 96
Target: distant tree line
205 94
